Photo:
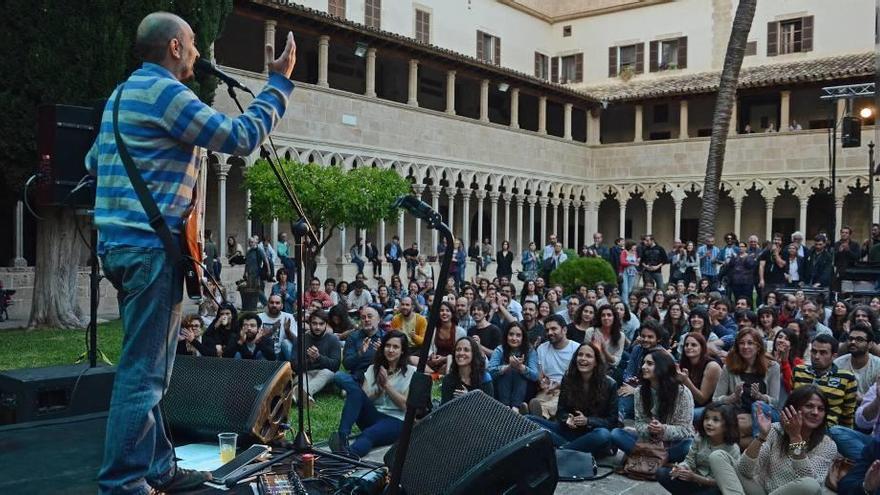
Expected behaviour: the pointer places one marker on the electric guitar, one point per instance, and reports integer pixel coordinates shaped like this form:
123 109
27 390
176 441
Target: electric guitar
191 249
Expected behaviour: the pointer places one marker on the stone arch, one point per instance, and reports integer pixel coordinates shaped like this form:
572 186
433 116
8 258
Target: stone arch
333 159
353 161
311 156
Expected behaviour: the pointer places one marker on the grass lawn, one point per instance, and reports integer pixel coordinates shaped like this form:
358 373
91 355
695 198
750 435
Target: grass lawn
51 347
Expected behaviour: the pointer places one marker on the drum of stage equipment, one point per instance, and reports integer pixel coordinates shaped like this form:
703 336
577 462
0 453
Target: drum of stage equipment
211 395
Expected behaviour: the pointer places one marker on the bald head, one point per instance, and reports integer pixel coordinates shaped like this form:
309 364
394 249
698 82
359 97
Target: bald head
155 32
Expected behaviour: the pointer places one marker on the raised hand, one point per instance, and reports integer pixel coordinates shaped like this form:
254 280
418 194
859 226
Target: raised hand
764 421
286 61
791 422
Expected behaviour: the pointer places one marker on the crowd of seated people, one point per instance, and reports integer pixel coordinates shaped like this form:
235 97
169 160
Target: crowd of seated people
749 390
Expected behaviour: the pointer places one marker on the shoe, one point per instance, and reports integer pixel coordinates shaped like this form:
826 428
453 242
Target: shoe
338 443
184 480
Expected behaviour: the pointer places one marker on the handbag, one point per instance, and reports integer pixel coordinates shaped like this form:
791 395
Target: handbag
839 469
644 460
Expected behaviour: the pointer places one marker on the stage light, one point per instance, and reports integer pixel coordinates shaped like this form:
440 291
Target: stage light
503 87
360 49
866 113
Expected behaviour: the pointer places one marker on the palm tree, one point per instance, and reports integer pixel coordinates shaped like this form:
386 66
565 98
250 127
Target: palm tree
736 49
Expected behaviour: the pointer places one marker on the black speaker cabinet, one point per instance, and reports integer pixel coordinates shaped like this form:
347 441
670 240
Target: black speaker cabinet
64 135
208 396
37 394
475 445
851 132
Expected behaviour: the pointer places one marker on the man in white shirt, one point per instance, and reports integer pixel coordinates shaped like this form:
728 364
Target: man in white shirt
554 355
863 364
550 247
283 327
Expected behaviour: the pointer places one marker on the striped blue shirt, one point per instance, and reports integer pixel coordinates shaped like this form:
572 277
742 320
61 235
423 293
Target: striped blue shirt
163 123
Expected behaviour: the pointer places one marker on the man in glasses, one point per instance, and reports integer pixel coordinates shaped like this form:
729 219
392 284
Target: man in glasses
865 365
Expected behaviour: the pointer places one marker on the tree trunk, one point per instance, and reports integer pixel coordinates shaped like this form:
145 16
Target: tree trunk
736 49
59 252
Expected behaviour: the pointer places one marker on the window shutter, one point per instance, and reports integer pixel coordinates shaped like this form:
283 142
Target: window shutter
807 35
537 65
653 66
578 68
772 39
554 69
640 58
683 52
497 51
479 46
612 61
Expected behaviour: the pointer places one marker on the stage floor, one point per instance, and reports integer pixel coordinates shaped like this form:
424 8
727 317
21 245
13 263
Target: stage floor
64 455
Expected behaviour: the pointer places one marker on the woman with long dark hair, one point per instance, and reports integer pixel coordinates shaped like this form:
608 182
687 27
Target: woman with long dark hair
223 331
782 352
584 319
607 335
234 251
789 457
768 323
629 323
529 293
697 372
445 336
505 261
377 407
838 321
467 372
675 324
664 409
340 322
513 365
587 408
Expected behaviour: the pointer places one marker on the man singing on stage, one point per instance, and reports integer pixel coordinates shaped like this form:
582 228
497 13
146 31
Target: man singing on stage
161 123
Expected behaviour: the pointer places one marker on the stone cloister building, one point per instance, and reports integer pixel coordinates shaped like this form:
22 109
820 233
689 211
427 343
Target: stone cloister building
530 130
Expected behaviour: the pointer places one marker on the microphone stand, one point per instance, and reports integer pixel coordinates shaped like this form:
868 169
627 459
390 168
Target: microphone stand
419 397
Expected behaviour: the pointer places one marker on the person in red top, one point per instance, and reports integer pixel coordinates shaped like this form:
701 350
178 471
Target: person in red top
316 294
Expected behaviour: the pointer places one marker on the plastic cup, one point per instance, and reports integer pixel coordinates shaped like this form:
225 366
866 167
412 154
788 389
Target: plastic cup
228 443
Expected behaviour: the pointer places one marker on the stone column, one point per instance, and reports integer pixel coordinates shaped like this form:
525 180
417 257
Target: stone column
555 203
450 193
466 216
784 112
803 214
414 85
543 200
435 204
770 201
380 242
532 200
371 73
418 190
638 126
591 219
450 95
323 60
841 111
568 109
594 126
542 115
484 101
268 39
678 199
733 123
508 197
875 207
363 245
19 260
566 203
838 208
622 227
649 212
514 109
480 194
343 245
683 119
401 231
493 197
222 172
737 214
521 223
274 234
576 204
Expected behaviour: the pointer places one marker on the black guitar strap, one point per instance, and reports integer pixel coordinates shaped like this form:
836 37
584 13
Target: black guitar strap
156 220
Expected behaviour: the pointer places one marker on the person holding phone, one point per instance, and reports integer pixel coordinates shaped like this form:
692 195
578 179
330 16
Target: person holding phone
513 365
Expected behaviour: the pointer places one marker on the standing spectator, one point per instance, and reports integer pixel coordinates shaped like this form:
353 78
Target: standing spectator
467 372
410 323
629 273
487 251
322 354
741 273
411 255
771 266
512 365
269 253
846 253
424 272
838 385
255 267
393 252
599 250
587 407
372 254
474 254
530 261
212 255
458 267
664 409
505 261
684 264
355 253
286 289
652 260
316 294
615 252
557 258
708 255
554 357
280 326
282 248
550 247
441 248
794 267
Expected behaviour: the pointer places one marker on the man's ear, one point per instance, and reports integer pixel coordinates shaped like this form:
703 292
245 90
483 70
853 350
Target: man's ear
175 48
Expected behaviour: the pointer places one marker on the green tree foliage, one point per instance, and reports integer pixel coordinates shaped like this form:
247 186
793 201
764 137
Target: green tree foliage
76 53
330 196
583 271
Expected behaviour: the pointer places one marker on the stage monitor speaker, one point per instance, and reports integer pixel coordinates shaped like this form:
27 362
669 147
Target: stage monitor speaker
474 444
64 135
212 395
851 132
38 394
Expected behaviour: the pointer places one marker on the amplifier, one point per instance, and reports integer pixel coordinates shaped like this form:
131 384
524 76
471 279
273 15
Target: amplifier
37 394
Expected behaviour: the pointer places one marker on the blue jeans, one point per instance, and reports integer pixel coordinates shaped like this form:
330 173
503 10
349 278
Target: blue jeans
626 441
629 283
510 388
137 449
377 429
850 443
596 442
626 407
360 264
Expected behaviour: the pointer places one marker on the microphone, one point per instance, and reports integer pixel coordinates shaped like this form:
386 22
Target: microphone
415 207
205 67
